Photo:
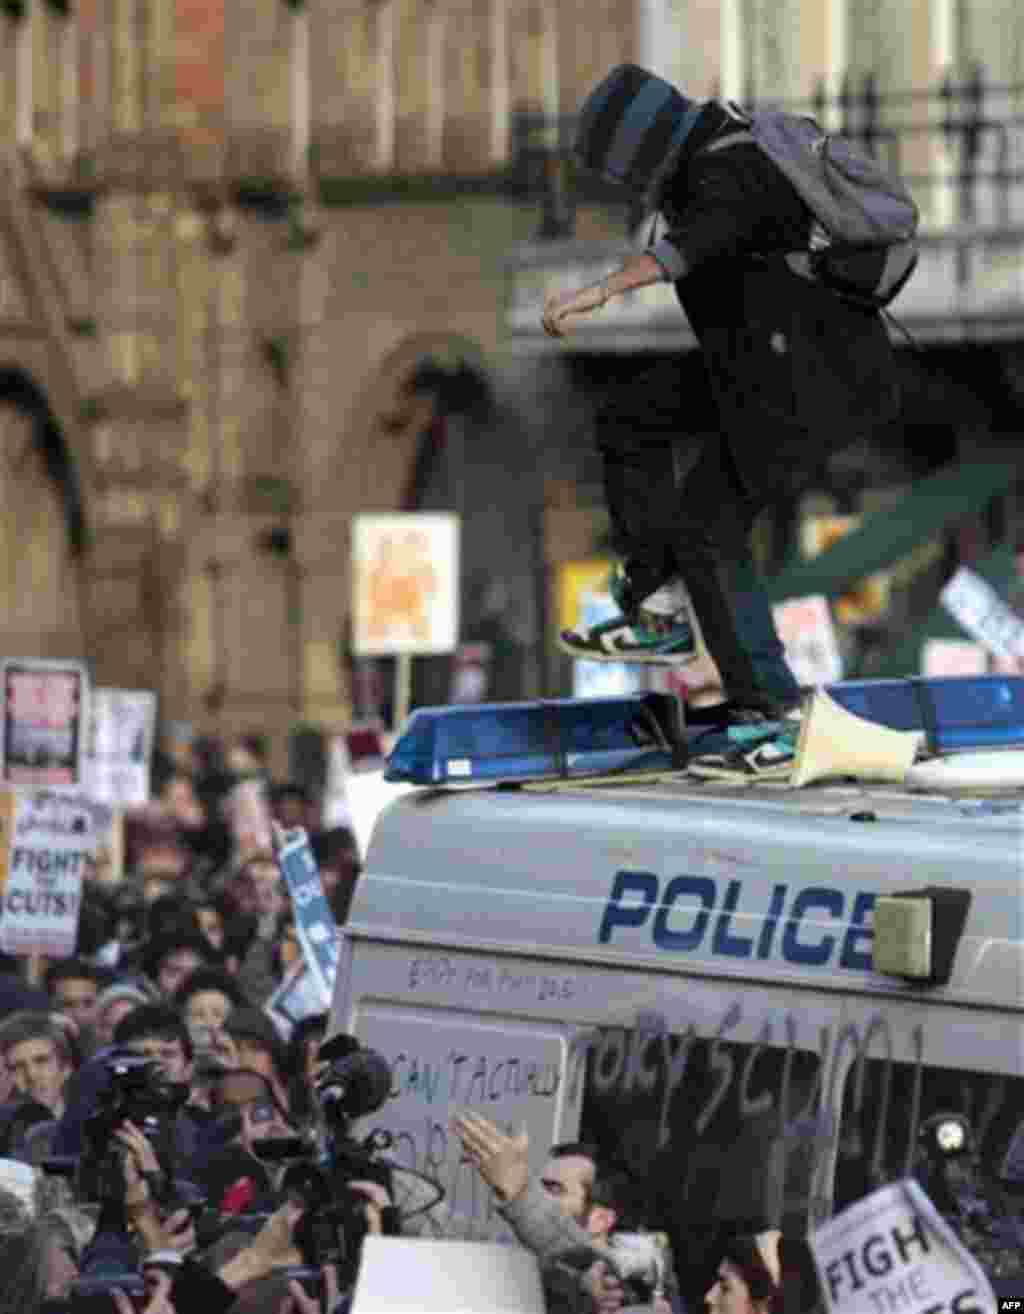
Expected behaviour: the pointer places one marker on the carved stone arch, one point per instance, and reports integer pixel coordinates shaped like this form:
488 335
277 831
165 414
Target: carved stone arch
42 526
432 431
392 414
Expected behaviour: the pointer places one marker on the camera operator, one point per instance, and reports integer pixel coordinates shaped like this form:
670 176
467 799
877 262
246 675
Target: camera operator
212 1282
568 1217
157 1032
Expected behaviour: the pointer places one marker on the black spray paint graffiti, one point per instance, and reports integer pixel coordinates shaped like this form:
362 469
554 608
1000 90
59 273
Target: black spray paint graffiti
459 1078
647 1058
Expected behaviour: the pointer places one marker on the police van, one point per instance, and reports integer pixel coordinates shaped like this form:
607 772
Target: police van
765 1001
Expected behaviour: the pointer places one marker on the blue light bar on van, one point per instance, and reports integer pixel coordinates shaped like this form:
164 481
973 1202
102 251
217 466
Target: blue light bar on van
556 739
957 712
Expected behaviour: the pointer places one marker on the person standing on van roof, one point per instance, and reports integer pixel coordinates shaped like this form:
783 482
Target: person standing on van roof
571 1210
795 372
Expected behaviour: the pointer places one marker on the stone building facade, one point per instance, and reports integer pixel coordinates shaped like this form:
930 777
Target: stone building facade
233 231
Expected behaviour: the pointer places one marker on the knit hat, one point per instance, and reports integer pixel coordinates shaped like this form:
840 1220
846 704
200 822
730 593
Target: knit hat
630 124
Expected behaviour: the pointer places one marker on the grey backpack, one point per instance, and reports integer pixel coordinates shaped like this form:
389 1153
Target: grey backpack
863 244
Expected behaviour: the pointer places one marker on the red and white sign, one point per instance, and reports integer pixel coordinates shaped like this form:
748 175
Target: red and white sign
45 714
809 637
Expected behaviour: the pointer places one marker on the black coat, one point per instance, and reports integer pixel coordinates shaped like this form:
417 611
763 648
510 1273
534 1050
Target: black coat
796 372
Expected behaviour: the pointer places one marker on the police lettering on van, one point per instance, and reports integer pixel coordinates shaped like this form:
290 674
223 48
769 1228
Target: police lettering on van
686 913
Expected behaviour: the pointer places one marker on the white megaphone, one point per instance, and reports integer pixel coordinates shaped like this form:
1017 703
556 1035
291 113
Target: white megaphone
834 743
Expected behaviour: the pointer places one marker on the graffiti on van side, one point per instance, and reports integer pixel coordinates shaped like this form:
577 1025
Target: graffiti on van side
647 1059
440 972
462 1078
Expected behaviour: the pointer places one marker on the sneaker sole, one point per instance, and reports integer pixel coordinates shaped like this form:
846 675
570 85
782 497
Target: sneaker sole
649 659
708 771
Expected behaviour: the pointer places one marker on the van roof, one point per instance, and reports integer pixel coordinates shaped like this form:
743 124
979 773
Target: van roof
758 881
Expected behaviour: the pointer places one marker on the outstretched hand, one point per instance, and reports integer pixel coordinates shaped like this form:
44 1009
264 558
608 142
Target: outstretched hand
501 1160
559 307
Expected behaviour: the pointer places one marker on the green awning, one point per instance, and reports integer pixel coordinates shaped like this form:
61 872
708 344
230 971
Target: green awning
887 536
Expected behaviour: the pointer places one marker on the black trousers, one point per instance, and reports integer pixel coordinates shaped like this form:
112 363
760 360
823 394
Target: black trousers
677 506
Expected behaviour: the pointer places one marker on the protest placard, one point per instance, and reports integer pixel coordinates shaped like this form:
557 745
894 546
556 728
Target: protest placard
809 637
248 812
314 921
48 845
297 996
983 614
45 713
892 1250
122 726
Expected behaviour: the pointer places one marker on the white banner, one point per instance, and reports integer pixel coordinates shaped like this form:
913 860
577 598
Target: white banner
953 657
48 850
979 610
122 727
892 1250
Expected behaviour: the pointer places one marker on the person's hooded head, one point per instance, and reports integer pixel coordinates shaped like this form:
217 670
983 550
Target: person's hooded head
633 127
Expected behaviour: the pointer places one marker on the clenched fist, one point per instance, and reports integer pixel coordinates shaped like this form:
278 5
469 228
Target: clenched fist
559 307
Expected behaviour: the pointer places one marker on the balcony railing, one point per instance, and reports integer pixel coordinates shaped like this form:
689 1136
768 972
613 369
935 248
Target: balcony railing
959 145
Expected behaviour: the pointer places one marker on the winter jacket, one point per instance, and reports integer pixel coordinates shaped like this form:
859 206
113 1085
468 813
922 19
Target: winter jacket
795 371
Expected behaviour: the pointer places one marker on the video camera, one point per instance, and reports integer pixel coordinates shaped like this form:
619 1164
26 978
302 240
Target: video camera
136 1092
320 1167
129 1088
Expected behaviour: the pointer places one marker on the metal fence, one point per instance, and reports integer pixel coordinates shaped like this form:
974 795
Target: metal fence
959 145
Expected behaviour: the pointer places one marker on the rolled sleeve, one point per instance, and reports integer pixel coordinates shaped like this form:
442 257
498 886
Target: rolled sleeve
669 257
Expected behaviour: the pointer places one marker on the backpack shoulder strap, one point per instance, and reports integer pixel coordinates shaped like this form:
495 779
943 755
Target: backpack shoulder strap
733 139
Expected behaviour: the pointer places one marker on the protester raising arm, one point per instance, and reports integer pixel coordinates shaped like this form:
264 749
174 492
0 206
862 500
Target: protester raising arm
538 1221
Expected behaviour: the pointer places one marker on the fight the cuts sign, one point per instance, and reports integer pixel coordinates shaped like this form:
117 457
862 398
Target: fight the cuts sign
892 1250
47 844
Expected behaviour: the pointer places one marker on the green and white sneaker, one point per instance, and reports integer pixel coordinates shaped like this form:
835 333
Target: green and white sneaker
757 752
661 632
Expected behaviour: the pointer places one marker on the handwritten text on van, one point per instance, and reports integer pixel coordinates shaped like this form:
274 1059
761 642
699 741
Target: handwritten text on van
439 972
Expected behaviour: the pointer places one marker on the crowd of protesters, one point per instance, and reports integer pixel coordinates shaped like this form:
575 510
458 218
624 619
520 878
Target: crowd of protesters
178 956
177 966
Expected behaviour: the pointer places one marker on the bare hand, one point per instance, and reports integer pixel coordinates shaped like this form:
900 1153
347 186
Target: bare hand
158 1299
501 1160
604 1287
377 1199
141 1157
298 1302
176 1232
273 1247
559 307
275 1243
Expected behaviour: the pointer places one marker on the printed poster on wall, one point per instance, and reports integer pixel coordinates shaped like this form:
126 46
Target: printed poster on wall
45 714
122 727
48 845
